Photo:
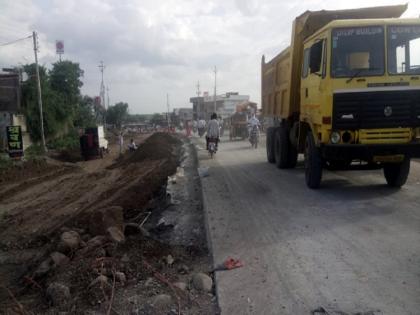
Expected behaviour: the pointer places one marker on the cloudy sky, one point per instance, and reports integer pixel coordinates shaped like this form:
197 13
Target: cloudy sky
154 47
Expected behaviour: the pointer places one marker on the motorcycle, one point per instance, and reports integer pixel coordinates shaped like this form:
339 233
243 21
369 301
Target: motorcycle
212 147
201 131
254 137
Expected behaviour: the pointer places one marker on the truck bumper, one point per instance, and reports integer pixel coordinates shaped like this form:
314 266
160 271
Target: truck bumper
367 152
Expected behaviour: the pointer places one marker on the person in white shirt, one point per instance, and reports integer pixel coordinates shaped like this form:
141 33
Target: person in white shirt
201 127
213 130
132 146
253 122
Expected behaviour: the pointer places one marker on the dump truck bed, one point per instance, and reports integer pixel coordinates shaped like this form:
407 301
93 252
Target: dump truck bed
280 77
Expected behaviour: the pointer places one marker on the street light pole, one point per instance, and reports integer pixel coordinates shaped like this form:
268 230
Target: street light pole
215 74
44 146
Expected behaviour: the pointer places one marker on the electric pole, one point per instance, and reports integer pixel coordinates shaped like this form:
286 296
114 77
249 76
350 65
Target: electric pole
215 74
102 90
198 89
167 105
41 116
107 96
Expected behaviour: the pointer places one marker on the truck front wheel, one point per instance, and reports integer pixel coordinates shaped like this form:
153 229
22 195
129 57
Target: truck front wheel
313 163
396 173
270 145
281 147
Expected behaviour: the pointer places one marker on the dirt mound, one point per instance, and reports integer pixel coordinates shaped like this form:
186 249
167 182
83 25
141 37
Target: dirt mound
158 146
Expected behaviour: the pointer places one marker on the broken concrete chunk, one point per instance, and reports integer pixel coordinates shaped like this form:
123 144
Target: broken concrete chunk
69 241
58 294
115 234
59 259
202 282
180 285
162 301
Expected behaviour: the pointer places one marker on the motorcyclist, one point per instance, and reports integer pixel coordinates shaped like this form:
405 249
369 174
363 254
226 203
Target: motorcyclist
253 122
213 130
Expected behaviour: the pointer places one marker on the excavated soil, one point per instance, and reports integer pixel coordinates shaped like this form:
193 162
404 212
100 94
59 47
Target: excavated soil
39 201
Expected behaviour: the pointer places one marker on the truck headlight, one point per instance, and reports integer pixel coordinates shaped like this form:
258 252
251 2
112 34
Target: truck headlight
335 137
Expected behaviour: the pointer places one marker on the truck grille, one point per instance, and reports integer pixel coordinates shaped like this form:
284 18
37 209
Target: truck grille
391 135
376 109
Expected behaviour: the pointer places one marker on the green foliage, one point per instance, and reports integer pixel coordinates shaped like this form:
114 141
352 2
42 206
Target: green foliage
85 116
5 162
67 142
60 97
117 114
33 151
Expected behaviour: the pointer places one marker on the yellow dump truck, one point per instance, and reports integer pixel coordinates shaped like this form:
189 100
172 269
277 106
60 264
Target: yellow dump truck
347 89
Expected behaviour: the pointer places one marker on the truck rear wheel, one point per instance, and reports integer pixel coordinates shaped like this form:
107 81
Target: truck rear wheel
313 163
281 147
270 145
293 156
396 174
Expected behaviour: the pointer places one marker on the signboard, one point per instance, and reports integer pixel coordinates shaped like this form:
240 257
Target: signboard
14 141
59 47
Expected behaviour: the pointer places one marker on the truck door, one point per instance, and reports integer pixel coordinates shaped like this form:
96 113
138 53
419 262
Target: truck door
312 84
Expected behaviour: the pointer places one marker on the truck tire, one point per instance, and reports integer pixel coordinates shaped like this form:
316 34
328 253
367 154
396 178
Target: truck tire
396 173
313 163
293 156
270 145
281 147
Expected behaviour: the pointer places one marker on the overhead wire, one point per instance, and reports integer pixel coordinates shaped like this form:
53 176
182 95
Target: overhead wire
15 41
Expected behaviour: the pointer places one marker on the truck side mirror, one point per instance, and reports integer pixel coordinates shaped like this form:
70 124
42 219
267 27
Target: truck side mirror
315 57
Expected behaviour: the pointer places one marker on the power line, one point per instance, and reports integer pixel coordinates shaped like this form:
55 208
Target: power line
15 41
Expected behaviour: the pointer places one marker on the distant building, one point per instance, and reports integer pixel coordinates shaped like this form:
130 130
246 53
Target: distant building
182 115
203 106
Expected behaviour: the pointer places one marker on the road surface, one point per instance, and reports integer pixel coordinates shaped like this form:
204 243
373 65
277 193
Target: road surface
351 246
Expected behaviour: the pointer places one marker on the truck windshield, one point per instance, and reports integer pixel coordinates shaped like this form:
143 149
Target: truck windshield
404 49
357 51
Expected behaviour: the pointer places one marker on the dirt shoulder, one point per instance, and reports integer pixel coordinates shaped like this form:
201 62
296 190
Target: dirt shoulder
76 230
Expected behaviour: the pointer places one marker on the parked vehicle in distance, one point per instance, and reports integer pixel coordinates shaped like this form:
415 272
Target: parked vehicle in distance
93 143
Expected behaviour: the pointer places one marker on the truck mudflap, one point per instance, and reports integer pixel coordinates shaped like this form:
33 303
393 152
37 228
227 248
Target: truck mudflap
369 152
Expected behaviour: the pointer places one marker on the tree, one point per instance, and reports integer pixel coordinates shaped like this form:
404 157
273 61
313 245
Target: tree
84 116
117 114
62 102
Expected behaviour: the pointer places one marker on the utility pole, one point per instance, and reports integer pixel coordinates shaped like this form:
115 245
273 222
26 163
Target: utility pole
215 74
102 89
198 89
107 96
41 116
167 105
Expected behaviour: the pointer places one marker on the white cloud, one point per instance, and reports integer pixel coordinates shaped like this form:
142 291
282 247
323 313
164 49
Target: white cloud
153 47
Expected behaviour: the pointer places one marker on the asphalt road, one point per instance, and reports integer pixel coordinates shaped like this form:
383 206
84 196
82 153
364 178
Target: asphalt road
351 246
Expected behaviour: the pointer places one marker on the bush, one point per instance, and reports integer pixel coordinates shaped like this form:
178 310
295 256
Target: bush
5 162
68 142
33 151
